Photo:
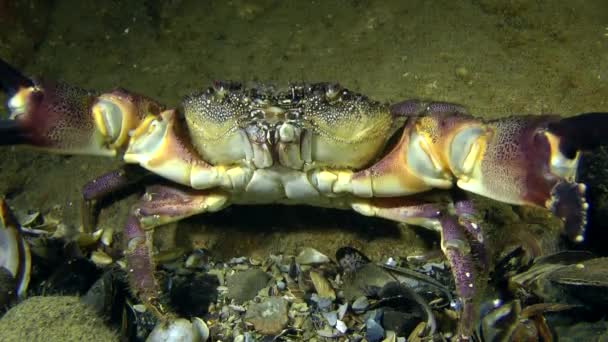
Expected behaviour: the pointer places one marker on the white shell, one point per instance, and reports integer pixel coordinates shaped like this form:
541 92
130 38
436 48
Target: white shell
310 256
180 330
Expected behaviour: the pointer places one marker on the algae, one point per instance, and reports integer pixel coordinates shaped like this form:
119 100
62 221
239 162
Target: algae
54 319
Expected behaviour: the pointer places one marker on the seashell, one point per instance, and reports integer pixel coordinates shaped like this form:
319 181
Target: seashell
255 261
569 277
342 310
201 331
415 335
100 258
103 295
360 305
140 308
390 336
327 332
180 330
311 256
106 236
373 331
331 317
239 260
322 302
341 326
322 286
15 254
29 219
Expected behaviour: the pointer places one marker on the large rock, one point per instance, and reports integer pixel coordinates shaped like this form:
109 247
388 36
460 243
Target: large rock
244 286
268 317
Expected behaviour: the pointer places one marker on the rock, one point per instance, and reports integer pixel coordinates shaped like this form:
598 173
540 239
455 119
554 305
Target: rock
268 317
331 317
244 286
402 323
369 276
54 318
373 331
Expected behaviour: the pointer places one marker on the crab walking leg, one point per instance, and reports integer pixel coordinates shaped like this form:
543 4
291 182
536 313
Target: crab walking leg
455 244
457 249
103 186
159 205
471 223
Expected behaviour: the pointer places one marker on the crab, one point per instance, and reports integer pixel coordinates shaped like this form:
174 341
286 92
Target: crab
310 144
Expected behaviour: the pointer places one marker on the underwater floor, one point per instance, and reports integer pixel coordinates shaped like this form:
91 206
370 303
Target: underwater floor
497 58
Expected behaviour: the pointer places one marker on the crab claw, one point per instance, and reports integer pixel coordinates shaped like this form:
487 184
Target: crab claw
62 118
529 160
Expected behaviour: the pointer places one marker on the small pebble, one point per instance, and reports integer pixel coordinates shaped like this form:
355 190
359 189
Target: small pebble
373 331
462 73
361 304
268 317
238 260
342 310
341 326
331 317
322 303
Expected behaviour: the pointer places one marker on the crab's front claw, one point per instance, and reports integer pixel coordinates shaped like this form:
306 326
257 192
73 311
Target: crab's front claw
67 119
530 160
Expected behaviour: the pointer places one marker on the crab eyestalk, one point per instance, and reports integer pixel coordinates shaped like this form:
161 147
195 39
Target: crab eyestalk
61 118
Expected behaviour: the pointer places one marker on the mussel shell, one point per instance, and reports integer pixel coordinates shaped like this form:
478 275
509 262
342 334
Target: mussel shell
7 288
585 283
74 277
136 325
568 278
15 254
190 295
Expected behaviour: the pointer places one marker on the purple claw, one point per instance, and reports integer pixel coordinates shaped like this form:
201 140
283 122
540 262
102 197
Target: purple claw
568 203
141 267
468 219
104 185
111 182
457 250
